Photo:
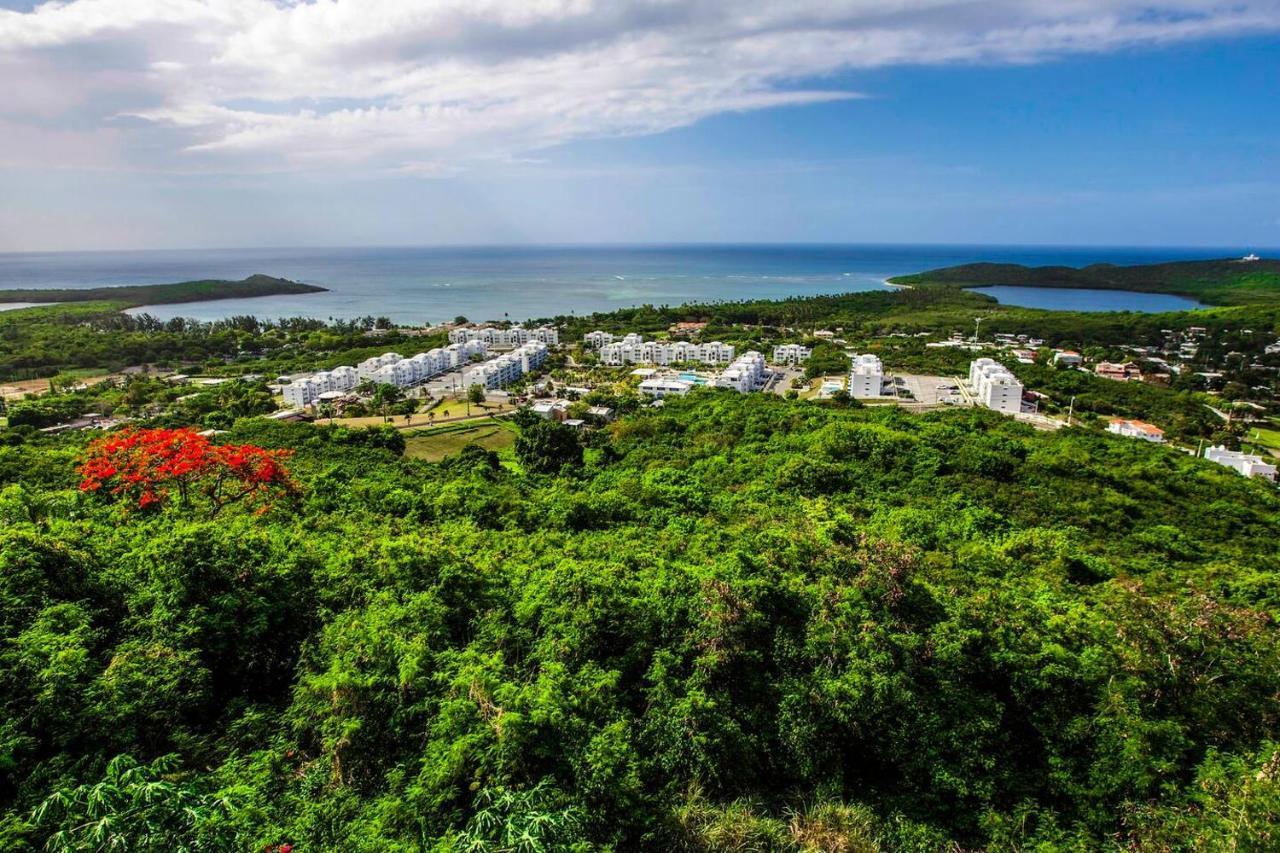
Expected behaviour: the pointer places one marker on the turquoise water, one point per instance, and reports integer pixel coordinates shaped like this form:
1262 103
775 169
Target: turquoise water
1081 299
494 283
694 378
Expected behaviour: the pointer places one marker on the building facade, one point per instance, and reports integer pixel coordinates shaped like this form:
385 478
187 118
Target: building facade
1243 463
995 387
866 377
1136 429
791 353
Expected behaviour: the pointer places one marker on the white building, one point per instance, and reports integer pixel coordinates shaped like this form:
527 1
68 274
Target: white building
866 376
745 374
634 349
664 386
995 387
597 339
1244 463
514 336
370 366
1136 429
300 393
791 353
1068 357
507 368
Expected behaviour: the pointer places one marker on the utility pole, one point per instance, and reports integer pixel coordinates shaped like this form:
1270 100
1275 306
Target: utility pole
1071 409
977 322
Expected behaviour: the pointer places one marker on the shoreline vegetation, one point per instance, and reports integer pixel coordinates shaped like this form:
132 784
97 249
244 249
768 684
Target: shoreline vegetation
136 296
1221 282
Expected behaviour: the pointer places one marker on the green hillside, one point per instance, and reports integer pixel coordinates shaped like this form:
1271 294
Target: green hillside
1213 282
165 294
735 623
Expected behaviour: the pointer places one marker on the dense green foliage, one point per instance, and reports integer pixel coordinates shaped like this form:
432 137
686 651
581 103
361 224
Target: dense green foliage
739 623
1228 281
165 294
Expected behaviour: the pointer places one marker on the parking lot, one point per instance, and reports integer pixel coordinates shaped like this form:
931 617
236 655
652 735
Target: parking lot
925 390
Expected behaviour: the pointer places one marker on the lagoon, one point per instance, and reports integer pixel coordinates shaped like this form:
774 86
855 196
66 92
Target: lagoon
1085 299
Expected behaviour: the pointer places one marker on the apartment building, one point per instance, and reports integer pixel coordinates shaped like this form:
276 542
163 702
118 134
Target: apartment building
745 374
866 376
995 387
791 353
633 349
507 368
514 336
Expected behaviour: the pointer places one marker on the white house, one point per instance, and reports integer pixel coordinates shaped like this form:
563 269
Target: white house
1244 463
995 387
1068 357
1136 429
791 353
866 376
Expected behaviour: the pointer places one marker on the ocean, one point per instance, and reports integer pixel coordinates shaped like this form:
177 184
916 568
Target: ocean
428 285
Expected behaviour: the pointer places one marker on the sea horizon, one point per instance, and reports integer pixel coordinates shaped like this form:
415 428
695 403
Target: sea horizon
431 284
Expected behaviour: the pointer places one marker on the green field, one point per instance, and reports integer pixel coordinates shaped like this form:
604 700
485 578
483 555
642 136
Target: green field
437 444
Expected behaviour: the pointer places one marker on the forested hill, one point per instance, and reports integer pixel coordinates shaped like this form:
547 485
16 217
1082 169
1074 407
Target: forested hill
1214 282
165 294
734 623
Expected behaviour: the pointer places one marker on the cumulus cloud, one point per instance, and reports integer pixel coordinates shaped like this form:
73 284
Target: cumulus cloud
434 86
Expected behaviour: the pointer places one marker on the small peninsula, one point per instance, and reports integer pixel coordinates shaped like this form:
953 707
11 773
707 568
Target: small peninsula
1213 282
132 296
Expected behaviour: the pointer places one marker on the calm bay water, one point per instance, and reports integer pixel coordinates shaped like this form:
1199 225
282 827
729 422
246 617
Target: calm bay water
1082 299
434 284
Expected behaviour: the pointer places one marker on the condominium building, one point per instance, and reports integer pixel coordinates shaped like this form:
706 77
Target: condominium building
1244 463
746 373
1136 429
370 366
633 349
597 339
995 387
514 336
866 376
791 353
507 368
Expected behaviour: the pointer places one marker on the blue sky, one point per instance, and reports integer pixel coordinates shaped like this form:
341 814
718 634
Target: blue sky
1072 123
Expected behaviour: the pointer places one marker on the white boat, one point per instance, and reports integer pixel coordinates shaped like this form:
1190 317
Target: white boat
1251 257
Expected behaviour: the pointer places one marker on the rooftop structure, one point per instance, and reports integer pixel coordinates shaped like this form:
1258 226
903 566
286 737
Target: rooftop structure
1066 356
1121 372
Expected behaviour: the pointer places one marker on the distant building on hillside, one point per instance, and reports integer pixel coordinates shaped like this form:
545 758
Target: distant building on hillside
662 386
1071 358
1121 372
1136 429
1244 463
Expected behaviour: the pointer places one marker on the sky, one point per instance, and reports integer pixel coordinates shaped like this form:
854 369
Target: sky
226 123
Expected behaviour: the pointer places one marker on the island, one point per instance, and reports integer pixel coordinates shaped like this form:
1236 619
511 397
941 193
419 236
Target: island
1226 281
132 296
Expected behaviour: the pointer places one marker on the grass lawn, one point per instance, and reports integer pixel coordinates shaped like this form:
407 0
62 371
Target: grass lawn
434 445
1264 438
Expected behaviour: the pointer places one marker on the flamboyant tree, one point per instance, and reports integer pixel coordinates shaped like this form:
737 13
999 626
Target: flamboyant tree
150 467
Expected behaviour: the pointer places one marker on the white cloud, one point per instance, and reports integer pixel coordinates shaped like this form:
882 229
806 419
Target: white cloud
429 87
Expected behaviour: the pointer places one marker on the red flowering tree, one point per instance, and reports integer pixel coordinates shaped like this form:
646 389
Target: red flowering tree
150 467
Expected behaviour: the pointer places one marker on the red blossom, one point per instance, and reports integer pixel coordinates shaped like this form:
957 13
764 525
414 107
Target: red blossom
150 466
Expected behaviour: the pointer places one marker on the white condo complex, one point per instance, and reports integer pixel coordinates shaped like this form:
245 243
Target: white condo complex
995 387
515 336
633 349
866 376
507 368
791 353
390 368
1244 463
